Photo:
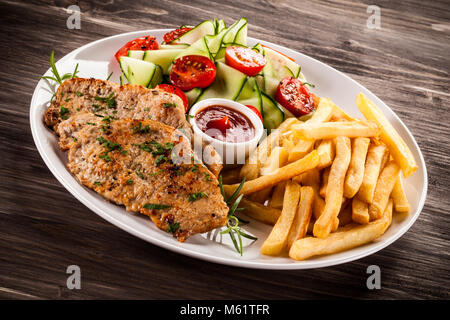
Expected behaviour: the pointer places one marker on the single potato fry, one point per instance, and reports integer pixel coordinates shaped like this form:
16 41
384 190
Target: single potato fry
360 211
260 196
371 172
335 188
401 203
287 172
278 195
348 237
330 130
250 170
277 159
345 215
339 114
300 224
355 171
277 238
397 146
260 212
383 190
323 188
323 113
311 178
326 153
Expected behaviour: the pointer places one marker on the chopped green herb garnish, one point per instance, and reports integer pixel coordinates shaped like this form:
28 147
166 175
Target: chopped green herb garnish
129 181
90 123
140 174
154 174
110 101
140 129
169 105
147 109
196 196
105 157
97 183
78 93
74 139
169 146
208 177
194 168
156 206
173 227
162 158
63 111
68 99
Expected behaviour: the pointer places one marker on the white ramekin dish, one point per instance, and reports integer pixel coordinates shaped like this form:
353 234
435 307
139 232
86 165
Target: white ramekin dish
232 153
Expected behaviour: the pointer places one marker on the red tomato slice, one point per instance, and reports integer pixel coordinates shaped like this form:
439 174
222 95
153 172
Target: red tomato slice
246 60
192 71
171 89
294 96
255 111
279 53
142 43
175 34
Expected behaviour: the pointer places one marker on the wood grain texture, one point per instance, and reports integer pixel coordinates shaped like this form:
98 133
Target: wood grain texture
43 229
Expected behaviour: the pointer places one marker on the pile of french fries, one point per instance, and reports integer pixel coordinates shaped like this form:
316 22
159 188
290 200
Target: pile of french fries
327 184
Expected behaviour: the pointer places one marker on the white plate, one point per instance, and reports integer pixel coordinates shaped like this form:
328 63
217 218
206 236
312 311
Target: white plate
96 60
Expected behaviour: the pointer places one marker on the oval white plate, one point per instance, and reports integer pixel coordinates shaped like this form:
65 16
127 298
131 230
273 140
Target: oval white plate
96 60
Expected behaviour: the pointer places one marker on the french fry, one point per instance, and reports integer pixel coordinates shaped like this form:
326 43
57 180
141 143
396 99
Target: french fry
345 215
355 171
350 237
323 188
335 188
277 238
397 146
401 203
339 114
330 130
384 187
326 153
300 224
360 211
250 170
260 196
311 178
287 172
260 212
277 159
322 114
371 172
277 196
231 176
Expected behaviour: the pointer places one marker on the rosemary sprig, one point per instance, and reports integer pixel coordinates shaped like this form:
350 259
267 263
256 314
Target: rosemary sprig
233 228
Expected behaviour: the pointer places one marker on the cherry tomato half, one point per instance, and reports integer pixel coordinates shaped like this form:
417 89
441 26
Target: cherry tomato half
192 71
171 89
175 34
294 96
142 43
246 60
255 111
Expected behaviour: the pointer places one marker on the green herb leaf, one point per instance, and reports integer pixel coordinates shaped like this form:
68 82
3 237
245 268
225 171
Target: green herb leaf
173 227
156 206
196 196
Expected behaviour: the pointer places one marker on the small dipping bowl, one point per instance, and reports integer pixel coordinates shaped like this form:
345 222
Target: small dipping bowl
232 153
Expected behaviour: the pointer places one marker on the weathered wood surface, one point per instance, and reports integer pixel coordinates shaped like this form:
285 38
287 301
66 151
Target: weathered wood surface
43 229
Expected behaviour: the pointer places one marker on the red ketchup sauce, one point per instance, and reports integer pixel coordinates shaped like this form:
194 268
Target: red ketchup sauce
225 124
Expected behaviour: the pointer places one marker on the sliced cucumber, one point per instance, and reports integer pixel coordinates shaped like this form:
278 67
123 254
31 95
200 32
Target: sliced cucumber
192 95
199 31
250 94
228 83
136 54
258 48
173 46
221 53
236 32
163 58
281 65
200 47
157 77
140 72
214 42
270 85
220 25
273 115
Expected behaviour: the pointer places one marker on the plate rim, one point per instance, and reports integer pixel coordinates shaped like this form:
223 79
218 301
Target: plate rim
224 260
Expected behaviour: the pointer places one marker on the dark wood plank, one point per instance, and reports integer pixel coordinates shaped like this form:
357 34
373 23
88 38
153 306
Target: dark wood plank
43 229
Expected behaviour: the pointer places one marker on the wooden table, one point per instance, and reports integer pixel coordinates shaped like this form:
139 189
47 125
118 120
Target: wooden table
43 229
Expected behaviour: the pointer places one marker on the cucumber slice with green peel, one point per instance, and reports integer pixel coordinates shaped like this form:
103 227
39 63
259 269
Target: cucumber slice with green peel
200 48
281 65
139 71
157 77
221 53
214 42
236 32
270 85
228 83
163 58
192 95
136 54
273 114
199 31
250 94
173 46
258 48
221 25
260 81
